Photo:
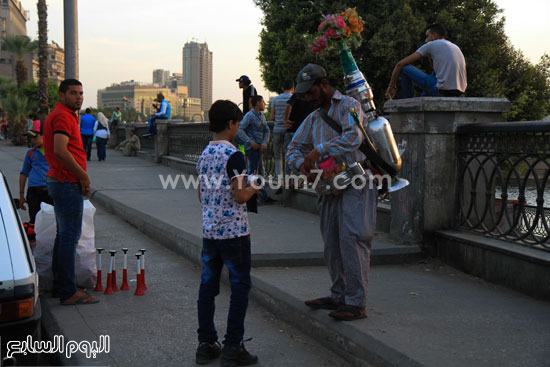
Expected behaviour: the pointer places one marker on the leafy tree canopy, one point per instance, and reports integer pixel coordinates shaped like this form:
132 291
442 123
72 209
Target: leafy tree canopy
395 29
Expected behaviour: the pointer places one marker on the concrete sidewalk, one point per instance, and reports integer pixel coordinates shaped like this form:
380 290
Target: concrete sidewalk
420 314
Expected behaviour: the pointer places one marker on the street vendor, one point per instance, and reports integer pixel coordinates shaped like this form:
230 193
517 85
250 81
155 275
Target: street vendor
348 217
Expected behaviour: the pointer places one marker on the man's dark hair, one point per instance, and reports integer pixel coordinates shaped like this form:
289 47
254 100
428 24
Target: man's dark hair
438 28
288 84
221 112
65 84
255 100
160 95
88 110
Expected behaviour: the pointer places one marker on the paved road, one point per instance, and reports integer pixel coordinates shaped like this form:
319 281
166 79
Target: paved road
159 329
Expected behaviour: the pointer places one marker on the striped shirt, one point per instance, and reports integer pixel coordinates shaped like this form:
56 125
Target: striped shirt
279 105
315 133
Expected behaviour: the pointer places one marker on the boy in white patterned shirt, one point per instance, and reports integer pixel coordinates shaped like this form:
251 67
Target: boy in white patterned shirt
223 193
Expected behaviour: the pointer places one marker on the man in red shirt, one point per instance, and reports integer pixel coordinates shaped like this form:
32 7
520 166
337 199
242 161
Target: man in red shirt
68 183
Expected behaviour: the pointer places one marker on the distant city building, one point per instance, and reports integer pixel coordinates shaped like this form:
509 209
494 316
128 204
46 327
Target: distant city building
176 80
13 21
197 72
141 97
161 77
56 63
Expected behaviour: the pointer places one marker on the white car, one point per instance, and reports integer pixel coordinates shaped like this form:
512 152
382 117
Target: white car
20 312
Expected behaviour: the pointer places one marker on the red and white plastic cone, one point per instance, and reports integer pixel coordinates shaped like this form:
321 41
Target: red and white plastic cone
113 279
125 286
143 268
98 285
139 289
109 288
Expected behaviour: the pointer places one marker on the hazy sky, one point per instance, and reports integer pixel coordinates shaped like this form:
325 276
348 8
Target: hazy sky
121 40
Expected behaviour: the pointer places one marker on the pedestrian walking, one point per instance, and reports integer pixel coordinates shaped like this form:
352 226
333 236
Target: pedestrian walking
87 122
101 133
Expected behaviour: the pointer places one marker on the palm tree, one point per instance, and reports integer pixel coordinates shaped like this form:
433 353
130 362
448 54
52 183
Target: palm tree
6 87
20 45
42 59
18 108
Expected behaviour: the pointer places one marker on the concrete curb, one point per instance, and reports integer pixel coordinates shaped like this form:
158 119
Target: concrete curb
356 347
342 338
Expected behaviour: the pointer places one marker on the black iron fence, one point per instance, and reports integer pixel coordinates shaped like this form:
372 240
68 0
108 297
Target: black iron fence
187 141
504 188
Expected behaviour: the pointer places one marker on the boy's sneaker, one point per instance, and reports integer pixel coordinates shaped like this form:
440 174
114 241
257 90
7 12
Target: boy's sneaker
237 355
207 352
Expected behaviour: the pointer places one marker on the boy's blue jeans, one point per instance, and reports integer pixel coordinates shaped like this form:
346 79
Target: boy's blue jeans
411 76
235 255
68 206
254 162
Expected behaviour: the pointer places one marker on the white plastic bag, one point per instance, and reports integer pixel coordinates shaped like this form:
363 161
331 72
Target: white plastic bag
85 266
44 227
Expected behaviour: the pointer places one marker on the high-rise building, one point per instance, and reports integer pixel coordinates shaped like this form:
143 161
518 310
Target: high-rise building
197 72
13 21
161 77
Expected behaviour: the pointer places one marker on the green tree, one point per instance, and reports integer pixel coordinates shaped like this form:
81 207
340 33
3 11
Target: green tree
20 46
31 90
395 29
18 108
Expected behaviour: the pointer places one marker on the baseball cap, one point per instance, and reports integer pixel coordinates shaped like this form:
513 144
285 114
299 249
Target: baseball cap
35 130
308 76
245 79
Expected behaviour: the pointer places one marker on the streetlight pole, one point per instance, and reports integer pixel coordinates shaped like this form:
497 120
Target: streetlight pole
70 29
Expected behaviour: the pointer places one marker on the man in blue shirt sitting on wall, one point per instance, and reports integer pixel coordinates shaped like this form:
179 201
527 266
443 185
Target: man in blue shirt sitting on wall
163 114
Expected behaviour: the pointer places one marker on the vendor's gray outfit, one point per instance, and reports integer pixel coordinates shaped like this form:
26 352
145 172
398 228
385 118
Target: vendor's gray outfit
347 226
347 220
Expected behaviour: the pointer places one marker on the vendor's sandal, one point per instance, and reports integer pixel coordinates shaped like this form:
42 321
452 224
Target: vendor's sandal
327 303
348 313
80 298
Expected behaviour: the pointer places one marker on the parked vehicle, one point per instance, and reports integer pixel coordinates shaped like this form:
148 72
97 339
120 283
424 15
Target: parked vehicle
20 312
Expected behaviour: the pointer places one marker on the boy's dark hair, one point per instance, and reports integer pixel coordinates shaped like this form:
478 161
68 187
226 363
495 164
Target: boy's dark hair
255 100
221 112
438 28
65 84
288 84
88 110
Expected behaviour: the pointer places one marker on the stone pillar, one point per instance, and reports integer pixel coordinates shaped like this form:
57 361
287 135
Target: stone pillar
425 131
70 30
161 140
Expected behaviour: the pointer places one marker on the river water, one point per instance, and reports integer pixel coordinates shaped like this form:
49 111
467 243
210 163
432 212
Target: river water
530 195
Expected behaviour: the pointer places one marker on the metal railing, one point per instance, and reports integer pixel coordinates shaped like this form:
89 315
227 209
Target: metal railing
187 141
503 188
